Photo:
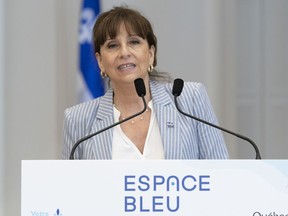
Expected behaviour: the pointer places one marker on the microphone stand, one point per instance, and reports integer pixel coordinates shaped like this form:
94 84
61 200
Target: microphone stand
220 128
107 128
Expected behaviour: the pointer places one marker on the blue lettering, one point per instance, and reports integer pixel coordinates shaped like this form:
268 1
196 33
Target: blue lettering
141 206
202 183
170 183
174 181
39 213
130 201
184 183
129 183
144 183
177 204
155 203
158 180
151 204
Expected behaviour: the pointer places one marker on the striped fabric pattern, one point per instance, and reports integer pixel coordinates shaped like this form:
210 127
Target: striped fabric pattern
182 137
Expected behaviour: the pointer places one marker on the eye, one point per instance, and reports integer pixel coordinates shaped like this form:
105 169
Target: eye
112 45
134 40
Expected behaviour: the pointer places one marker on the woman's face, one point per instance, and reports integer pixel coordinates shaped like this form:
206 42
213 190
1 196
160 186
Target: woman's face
125 57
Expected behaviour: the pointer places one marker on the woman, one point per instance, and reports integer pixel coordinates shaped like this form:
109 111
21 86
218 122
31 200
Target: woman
125 48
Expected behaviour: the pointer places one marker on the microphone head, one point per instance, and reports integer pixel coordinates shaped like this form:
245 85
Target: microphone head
140 87
177 87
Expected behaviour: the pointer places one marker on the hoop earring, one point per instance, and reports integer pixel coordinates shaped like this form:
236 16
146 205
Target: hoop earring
150 68
103 74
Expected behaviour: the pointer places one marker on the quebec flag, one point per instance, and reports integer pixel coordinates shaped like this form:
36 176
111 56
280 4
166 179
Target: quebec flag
90 85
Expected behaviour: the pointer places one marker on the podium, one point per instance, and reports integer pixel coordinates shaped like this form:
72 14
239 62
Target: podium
154 187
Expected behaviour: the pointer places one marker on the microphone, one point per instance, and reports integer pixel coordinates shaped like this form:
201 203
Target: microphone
141 91
177 90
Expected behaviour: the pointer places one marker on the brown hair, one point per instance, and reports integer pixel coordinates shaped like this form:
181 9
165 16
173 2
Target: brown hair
108 24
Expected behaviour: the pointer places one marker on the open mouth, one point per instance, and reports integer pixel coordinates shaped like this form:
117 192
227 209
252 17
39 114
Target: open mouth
126 66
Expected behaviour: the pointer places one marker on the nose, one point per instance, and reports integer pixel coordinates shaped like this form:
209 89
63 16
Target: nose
124 51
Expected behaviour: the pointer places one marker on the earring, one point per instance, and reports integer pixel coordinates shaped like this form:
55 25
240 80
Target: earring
150 68
103 74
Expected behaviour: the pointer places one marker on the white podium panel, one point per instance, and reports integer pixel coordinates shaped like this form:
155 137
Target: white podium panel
155 187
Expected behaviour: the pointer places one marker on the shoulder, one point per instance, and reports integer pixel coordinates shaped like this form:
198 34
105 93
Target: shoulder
188 86
193 97
88 111
83 111
190 89
194 90
193 87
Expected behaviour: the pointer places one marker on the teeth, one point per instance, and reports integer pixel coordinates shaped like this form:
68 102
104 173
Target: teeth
126 66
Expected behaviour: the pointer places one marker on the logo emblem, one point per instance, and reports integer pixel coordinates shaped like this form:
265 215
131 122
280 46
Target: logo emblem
58 213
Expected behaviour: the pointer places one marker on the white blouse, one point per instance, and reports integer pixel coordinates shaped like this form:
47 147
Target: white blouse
124 148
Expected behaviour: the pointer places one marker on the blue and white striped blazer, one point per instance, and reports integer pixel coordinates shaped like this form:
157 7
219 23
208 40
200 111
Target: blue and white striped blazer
182 137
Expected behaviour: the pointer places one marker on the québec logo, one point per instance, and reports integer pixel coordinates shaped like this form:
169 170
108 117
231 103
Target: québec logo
46 213
58 213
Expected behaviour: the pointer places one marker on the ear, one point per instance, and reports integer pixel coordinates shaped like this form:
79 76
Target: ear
152 54
99 60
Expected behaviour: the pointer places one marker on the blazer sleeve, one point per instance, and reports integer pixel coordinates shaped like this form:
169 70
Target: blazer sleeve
211 142
69 135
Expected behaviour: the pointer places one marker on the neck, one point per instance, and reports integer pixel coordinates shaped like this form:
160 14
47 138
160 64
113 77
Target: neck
127 100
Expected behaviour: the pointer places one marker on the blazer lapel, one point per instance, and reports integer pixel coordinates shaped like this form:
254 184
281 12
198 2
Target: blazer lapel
168 121
102 143
166 114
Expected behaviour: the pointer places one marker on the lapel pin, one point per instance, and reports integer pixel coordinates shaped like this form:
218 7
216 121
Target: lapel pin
170 124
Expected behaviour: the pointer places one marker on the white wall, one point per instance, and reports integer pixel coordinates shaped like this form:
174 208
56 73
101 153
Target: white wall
275 88
31 92
2 145
261 75
236 48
